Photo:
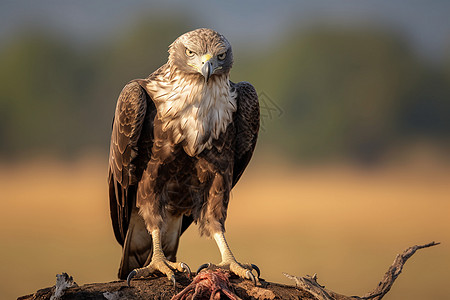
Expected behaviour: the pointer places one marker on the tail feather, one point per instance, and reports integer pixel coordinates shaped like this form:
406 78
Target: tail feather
137 247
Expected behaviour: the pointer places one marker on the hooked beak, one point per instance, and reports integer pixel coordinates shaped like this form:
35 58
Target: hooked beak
207 68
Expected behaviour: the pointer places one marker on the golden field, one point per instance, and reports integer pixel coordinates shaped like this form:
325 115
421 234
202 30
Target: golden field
344 223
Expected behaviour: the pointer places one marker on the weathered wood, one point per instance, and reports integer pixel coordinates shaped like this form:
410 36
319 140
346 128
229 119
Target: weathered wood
307 288
161 288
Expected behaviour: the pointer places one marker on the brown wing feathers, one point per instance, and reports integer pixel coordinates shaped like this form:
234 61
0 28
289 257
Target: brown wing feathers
124 171
246 121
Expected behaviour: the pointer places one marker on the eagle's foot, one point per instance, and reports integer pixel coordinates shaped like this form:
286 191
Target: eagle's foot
242 270
161 265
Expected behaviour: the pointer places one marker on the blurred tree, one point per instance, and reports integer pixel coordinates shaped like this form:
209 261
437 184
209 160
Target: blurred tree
346 92
43 85
343 92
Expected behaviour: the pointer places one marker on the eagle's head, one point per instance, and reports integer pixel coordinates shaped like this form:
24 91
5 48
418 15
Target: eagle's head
203 52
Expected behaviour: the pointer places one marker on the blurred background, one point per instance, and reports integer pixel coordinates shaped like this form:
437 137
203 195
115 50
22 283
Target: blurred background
352 164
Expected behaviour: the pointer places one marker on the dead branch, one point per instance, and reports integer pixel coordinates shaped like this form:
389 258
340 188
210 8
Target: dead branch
392 273
311 285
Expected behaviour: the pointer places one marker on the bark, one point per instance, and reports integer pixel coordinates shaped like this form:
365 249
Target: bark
215 284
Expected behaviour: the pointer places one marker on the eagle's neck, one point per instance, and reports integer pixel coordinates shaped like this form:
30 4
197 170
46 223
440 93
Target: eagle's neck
196 112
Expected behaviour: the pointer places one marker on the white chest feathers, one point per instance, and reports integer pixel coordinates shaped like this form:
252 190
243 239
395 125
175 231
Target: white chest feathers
194 111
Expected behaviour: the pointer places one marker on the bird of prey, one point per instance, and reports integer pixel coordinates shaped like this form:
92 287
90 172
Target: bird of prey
181 139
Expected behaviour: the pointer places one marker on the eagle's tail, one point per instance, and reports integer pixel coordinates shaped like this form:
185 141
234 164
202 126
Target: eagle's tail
137 247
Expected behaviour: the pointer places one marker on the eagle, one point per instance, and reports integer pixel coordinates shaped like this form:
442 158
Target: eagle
181 139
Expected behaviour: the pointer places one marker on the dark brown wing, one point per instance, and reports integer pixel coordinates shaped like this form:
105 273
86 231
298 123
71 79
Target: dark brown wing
131 142
246 121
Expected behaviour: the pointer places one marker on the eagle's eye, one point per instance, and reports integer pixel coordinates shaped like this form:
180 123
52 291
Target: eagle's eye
189 53
222 56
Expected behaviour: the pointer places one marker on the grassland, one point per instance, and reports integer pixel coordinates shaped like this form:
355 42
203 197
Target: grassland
344 223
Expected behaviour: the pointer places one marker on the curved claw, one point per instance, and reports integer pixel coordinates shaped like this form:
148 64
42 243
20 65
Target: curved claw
204 266
255 267
186 269
251 277
174 281
131 276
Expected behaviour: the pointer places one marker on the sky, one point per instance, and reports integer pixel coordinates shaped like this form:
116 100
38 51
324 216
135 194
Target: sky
424 23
